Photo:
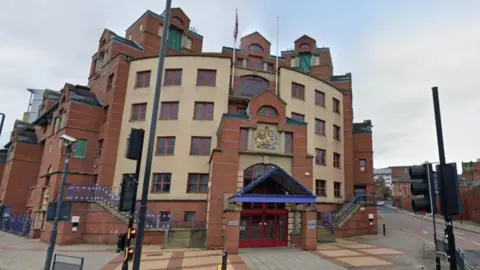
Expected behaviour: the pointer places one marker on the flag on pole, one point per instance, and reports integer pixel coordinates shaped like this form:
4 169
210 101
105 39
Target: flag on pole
235 31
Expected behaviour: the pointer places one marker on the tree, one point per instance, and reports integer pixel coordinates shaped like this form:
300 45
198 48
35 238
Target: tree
382 192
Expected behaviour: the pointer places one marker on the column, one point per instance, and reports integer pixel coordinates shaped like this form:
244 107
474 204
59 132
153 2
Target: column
232 229
309 228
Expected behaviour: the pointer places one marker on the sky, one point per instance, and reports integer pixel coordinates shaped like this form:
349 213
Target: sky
396 51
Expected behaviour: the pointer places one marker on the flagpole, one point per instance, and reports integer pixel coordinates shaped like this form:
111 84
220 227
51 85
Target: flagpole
276 63
234 60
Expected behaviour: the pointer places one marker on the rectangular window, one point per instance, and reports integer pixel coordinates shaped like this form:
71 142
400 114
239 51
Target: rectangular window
243 138
80 148
320 157
319 98
110 82
100 147
363 165
143 79
105 113
298 117
336 105
203 111
200 146
189 216
336 132
255 62
161 183
169 111
321 188
337 189
298 91
164 216
336 160
139 112
288 142
206 77
197 183
319 127
165 146
173 77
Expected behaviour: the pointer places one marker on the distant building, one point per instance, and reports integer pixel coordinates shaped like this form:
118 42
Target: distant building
471 170
385 173
36 99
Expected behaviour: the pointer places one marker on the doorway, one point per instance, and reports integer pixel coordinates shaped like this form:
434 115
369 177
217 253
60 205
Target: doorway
267 228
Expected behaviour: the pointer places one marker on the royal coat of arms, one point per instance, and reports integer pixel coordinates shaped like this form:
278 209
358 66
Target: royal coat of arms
266 139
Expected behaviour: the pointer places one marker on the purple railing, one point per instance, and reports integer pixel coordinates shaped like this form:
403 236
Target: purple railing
18 224
111 198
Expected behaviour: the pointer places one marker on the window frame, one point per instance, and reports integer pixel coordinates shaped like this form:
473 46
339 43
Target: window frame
201 146
141 113
289 142
294 115
267 111
319 190
162 182
203 114
196 179
324 158
244 138
173 77
337 133
75 154
143 79
337 192
320 98
337 160
172 106
320 131
166 146
298 91
336 105
208 79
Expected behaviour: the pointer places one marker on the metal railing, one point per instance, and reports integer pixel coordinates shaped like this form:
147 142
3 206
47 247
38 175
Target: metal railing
17 224
64 262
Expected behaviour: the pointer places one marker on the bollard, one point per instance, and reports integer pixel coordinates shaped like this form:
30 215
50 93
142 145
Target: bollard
224 260
384 230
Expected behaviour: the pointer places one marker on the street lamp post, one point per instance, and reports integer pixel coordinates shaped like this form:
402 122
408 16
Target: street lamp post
1 122
53 234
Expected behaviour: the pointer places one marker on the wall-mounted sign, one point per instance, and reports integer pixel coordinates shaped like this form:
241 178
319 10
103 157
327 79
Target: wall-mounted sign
233 223
311 224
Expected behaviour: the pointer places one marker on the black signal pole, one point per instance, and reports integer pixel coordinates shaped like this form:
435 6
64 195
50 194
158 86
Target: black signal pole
151 138
1 122
133 205
441 154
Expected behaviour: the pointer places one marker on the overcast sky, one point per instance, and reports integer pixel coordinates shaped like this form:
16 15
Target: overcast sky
396 51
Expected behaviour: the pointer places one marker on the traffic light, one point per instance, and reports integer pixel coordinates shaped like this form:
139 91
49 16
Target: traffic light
131 233
424 173
135 144
129 254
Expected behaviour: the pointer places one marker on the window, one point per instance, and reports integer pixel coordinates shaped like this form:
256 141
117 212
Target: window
289 142
110 82
294 62
268 111
165 146
161 183
80 148
200 146
320 157
197 183
138 112
243 138
305 46
189 216
319 98
337 189
254 62
255 48
319 127
169 111
321 188
187 42
305 62
251 86
298 91
206 77
336 160
336 105
174 39
105 113
298 117
143 79
100 147
203 111
363 165
336 132
173 77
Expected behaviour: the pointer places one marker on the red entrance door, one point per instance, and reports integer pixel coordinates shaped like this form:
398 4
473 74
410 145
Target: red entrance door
263 229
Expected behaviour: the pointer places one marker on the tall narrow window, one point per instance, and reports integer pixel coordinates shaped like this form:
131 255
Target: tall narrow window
321 188
243 138
336 132
80 148
288 142
337 187
319 127
110 82
320 158
100 147
319 98
336 160
203 111
336 105
298 91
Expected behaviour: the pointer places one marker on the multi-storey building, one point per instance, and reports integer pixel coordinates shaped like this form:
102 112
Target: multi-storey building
233 148
385 174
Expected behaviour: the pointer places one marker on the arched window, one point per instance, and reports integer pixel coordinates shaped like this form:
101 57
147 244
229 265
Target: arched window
252 85
268 111
305 46
253 172
177 20
255 48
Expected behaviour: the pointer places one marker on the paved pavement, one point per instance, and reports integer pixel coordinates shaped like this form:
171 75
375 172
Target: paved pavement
19 253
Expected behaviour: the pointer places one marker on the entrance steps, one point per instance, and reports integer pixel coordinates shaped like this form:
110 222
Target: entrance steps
179 238
325 236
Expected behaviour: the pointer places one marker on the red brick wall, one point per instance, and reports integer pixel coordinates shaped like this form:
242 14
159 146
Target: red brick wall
359 224
363 149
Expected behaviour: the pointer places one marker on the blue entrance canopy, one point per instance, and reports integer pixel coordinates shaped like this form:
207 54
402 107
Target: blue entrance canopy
294 191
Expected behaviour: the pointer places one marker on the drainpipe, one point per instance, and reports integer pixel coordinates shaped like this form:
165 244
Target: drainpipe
1 122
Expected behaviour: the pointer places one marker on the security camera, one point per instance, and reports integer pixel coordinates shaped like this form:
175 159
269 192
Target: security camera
68 139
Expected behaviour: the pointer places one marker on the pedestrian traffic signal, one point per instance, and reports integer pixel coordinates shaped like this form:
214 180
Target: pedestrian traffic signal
131 233
128 254
424 187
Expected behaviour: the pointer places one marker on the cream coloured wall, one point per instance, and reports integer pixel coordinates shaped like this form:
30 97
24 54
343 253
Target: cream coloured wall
184 128
312 111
